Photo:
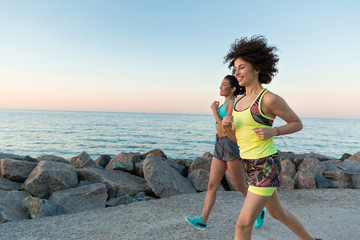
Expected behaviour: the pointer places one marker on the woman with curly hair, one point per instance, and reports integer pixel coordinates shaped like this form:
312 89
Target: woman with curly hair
254 63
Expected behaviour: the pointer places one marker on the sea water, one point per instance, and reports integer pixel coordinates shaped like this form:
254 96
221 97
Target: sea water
179 136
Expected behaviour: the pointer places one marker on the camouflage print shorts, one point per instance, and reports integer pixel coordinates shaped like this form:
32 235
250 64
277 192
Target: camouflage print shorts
263 172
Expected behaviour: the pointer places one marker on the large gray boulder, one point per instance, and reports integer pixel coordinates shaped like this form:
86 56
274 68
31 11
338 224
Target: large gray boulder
178 167
313 165
288 167
48 177
356 157
200 163
83 160
305 179
117 182
287 183
82 198
305 176
16 170
52 158
289 170
12 206
164 180
127 160
6 184
199 179
103 160
322 181
42 208
156 152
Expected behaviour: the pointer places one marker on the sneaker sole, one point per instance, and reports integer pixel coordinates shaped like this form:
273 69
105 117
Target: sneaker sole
202 229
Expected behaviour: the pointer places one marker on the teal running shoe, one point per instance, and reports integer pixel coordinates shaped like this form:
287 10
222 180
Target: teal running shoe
260 219
196 222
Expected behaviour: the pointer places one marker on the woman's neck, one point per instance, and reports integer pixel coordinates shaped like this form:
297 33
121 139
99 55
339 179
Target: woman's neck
254 89
229 98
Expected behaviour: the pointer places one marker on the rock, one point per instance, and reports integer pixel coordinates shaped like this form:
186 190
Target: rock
103 160
156 152
345 156
207 155
305 179
48 177
11 156
353 178
185 162
52 158
30 159
313 165
199 179
140 195
6 184
12 206
80 199
83 161
117 182
356 157
127 161
163 179
42 208
16 170
287 155
322 181
178 167
122 200
139 169
288 182
288 167
320 157
332 171
200 163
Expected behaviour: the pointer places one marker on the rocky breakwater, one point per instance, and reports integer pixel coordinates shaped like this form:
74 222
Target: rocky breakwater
51 185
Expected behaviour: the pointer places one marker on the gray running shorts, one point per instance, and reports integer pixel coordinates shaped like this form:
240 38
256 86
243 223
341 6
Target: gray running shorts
225 149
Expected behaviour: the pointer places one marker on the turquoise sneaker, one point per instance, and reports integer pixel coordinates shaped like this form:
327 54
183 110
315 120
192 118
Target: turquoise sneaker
196 222
260 219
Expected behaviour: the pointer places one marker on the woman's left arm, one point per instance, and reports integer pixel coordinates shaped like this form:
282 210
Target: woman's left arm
275 106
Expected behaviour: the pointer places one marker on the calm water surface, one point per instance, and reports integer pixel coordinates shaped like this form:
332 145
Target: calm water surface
180 136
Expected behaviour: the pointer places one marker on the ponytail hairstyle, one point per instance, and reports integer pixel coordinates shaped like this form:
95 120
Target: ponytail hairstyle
234 83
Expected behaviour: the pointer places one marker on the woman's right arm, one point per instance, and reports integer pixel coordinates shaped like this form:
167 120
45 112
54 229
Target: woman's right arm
228 124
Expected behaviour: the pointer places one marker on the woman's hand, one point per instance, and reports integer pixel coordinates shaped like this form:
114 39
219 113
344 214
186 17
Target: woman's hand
215 106
228 120
265 133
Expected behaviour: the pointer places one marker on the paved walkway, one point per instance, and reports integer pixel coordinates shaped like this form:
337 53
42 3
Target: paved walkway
328 214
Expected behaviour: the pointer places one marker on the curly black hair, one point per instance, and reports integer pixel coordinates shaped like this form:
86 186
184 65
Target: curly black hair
255 51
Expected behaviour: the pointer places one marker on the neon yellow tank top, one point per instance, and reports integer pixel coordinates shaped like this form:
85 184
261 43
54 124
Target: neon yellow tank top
251 147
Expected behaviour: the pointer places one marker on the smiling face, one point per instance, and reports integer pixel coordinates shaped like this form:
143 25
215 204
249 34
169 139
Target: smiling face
225 88
245 73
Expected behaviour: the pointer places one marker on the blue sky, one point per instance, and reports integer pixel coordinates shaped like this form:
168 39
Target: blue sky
167 56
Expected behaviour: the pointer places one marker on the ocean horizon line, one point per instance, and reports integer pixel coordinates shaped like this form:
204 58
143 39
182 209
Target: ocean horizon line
164 113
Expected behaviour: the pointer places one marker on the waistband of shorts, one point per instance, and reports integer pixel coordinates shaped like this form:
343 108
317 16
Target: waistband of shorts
272 155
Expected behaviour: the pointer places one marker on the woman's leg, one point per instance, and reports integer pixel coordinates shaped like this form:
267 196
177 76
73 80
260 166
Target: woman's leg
252 207
217 172
236 171
277 211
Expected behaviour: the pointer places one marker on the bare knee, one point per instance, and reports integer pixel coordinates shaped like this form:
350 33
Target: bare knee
279 214
243 225
213 186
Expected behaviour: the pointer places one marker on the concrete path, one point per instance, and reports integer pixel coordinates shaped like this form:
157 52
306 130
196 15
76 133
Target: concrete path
328 214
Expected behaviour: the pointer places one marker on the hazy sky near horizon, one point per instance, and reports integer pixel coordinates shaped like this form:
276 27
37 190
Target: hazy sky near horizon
167 56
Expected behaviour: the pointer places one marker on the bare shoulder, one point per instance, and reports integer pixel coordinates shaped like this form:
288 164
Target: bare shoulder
271 98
